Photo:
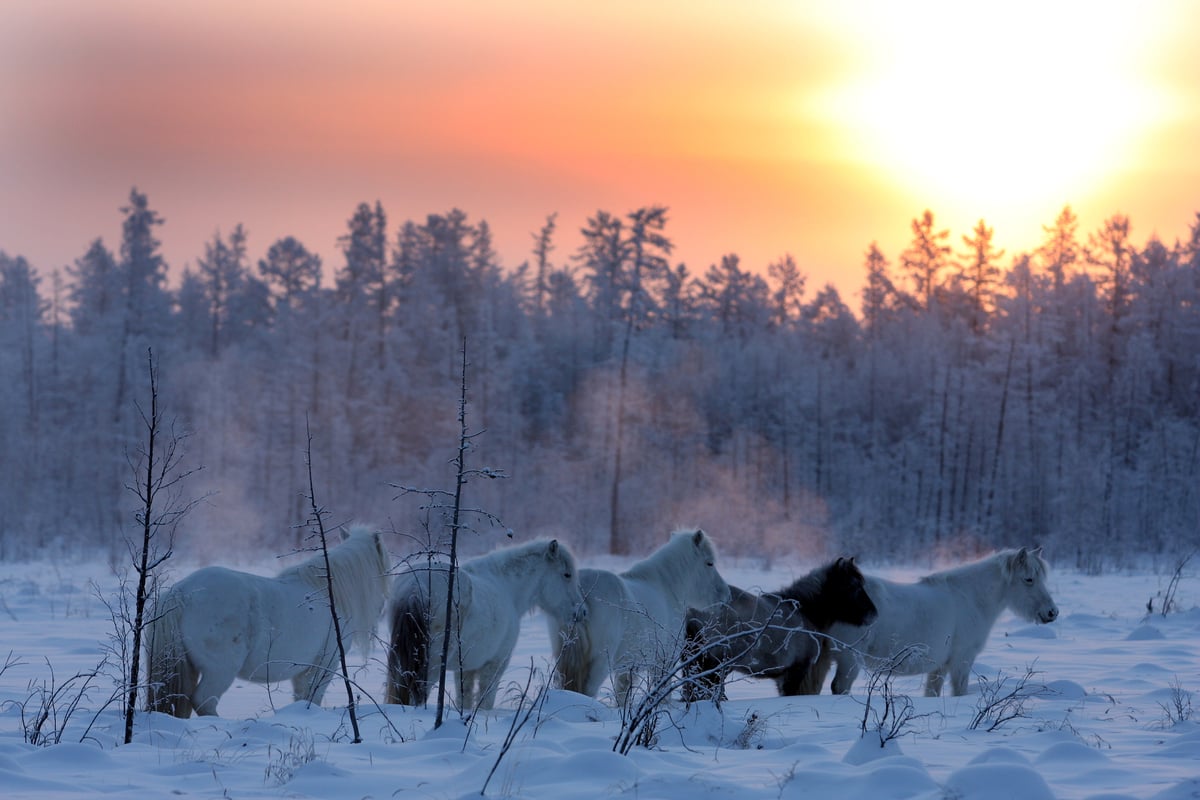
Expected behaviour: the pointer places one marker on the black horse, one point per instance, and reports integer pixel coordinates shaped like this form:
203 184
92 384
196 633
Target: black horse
775 635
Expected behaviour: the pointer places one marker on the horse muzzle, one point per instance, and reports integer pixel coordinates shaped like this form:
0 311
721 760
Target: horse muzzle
1049 615
580 613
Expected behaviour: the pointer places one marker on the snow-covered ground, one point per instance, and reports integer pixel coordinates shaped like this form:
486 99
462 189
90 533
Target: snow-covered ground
1105 725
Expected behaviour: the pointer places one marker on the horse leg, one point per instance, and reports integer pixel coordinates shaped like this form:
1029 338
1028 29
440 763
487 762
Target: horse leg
597 670
622 686
489 682
814 681
464 688
959 677
188 680
934 681
310 683
847 671
304 684
213 683
795 678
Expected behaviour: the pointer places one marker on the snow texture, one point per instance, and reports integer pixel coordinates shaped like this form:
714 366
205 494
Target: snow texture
1103 724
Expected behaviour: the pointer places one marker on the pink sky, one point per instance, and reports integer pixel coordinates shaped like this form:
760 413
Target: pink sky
773 127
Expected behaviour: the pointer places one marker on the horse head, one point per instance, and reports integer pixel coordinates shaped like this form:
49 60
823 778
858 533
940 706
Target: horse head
704 581
1028 596
848 588
559 593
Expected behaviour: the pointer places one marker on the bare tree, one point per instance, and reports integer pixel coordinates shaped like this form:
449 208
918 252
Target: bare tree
1002 700
457 513
1168 602
888 713
157 480
316 522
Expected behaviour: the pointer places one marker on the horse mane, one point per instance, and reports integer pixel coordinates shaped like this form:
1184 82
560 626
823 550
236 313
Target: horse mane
668 562
1001 559
807 592
521 552
359 567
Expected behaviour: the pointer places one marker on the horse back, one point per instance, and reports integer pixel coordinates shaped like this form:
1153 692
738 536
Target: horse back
920 614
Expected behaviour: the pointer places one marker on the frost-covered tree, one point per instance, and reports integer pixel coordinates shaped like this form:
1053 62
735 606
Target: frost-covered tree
291 272
739 300
980 273
21 317
927 256
543 245
1060 251
787 294
881 298
95 289
143 270
22 313
601 259
641 394
223 273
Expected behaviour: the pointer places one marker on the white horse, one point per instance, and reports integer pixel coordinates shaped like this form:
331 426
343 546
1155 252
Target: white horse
491 594
939 624
217 624
635 619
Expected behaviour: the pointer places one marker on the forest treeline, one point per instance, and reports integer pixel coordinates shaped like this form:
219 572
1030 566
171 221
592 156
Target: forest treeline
972 400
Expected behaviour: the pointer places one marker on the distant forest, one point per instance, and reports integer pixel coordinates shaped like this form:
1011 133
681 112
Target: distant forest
972 400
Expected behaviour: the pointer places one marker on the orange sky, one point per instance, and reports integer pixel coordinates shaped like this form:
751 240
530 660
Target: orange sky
767 126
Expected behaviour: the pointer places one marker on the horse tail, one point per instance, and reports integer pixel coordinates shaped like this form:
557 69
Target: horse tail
572 644
408 656
171 675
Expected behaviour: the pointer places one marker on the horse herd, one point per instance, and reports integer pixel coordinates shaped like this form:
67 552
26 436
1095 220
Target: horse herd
669 614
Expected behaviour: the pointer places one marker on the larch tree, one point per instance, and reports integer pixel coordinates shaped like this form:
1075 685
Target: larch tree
677 306
601 258
881 298
1110 252
223 274
647 247
1060 252
738 299
980 273
362 286
291 272
926 257
143 268
146 316
543 245
22 312
95 289
787 295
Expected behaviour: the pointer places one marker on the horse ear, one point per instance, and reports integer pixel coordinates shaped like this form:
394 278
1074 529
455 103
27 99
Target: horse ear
1022 555
552 550
698 537
345 533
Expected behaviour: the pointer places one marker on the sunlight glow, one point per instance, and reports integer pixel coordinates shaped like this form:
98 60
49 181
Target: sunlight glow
986 105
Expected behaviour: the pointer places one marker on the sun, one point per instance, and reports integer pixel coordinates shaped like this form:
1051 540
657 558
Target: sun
994 105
